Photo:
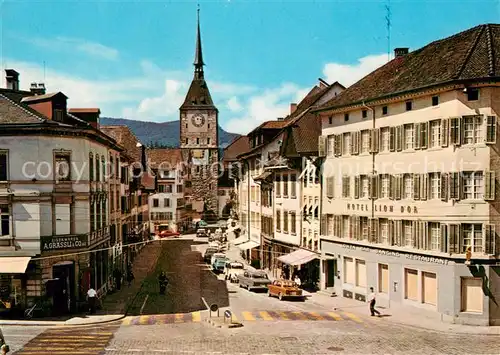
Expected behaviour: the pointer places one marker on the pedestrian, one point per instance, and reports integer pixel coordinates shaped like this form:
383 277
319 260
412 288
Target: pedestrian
297 281
117 274
4 348
163 282
372 300
130 275
91 299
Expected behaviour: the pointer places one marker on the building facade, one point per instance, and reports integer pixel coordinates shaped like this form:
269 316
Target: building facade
410 200
199 139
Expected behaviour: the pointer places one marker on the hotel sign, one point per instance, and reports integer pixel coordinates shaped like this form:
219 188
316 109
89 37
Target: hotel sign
67 242
382 208
396 254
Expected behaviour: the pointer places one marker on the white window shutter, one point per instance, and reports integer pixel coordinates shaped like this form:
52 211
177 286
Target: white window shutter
418 135
424 180
445 132
444 238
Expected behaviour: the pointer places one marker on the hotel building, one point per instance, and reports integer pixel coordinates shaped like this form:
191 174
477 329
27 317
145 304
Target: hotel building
410 201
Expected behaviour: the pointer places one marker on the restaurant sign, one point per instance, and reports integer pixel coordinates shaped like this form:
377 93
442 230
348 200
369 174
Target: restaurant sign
66 242
397 254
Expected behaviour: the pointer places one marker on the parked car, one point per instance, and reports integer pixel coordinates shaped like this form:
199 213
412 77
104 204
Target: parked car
232 270
201 233
207 257
284 289
219 264
252 280
217 256
167 234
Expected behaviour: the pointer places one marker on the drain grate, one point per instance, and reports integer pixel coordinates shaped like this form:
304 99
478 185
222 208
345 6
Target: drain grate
335 348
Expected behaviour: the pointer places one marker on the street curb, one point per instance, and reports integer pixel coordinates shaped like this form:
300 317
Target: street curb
60 323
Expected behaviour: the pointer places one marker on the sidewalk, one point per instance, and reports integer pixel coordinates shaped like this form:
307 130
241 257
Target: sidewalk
88 320
401 315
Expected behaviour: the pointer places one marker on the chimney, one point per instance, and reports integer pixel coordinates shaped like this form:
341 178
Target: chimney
323 84
400 52
37 89
89 115
280 119
293 107
12 79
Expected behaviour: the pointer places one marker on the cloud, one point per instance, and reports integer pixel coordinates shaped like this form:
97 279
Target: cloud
348 74
233 104
68 44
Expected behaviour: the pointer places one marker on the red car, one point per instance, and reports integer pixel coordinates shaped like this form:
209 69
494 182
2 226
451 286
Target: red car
167 234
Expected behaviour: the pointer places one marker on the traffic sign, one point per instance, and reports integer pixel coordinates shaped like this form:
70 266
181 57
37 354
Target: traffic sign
214 307
227 313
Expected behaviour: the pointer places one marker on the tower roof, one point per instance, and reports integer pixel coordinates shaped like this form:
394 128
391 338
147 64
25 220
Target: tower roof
198 56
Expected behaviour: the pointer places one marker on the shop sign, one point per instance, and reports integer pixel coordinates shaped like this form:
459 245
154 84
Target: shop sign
382 208
52 243
396 254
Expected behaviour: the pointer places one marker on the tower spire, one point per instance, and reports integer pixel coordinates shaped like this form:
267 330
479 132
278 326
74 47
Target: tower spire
198 58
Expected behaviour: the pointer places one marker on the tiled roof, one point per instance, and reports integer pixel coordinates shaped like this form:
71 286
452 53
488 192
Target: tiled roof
14 113
238 146
41 97
124 137
305 133
198 95
166 157
468 55
84 110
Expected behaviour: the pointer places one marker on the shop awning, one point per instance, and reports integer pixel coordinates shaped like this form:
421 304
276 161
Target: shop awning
14 264
240 240
263 176
298 257
248 245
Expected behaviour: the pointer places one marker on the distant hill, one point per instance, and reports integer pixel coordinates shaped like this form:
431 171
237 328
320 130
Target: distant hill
164 134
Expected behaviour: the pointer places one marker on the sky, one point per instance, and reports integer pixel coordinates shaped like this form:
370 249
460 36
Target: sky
134 59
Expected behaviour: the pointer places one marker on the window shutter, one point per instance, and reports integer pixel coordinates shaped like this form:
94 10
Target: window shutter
338 226
373 230
392 139
354 143
392 185
444 187
390 227
340 140
445 132
374 140
356 186
374 186
329 186
424 179
453 183
398 186
357 228
399 138
489 185
398 232
322 146
418 135
323 230
424 134
444 238
491 129
489 239
336 145
453 238
352 226
425 235
415 234
455 130
416 186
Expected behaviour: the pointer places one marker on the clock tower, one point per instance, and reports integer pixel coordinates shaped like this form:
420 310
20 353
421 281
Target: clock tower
199 139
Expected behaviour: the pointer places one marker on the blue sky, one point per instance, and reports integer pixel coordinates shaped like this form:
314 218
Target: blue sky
134 59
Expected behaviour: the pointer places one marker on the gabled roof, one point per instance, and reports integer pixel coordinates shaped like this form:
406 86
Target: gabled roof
198 95
84 110
238 146
44 97
469 55
301 137
14 113
126 138
164 157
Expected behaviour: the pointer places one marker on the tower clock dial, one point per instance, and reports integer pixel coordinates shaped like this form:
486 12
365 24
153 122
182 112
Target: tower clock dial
198 120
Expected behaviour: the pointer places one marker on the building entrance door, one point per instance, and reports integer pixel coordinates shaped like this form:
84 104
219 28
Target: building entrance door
64 292
331 266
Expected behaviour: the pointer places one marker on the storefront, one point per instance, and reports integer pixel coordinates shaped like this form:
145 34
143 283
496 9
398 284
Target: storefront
250 249
438 286
304 264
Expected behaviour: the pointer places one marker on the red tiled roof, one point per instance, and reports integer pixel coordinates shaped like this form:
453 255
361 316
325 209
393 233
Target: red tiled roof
124 137
84 110
468 55
238 146
167 157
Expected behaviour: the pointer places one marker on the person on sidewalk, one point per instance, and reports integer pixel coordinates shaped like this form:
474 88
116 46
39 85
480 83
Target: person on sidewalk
130 275
163 281
297 280
91 299
373 301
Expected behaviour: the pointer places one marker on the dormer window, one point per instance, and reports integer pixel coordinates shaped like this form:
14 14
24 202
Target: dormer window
58 115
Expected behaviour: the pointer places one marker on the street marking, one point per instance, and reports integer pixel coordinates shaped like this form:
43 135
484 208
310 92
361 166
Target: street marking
353 317
283 315
334 315
265 315
248 316
179 317
317 316
299 315
233 317
143 320
196 317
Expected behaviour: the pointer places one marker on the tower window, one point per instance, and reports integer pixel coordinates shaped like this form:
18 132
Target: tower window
346 117
208 140
330 120
208 126
409 105
186 125
187 141
364 113
197 140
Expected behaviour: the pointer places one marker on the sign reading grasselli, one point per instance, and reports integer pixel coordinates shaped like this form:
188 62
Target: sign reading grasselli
52 243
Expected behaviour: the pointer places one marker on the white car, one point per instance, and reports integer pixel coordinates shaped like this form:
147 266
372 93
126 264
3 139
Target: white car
217 256
232 270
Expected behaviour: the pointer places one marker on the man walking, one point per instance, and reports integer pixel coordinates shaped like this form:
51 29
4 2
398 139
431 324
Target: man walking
372 300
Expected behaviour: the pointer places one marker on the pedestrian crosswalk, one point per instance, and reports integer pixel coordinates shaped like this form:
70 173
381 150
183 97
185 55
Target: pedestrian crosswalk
91 340
249 316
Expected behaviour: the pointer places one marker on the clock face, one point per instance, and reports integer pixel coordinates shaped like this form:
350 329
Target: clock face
198 120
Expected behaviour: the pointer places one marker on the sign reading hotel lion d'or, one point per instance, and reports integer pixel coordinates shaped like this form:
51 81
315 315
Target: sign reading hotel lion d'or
382 208
52 243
